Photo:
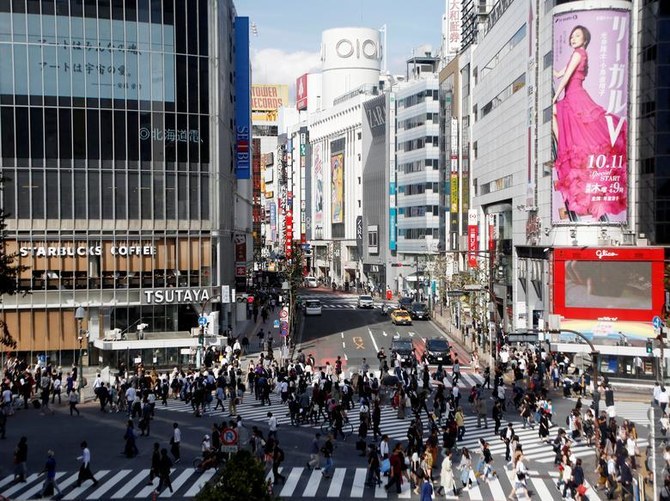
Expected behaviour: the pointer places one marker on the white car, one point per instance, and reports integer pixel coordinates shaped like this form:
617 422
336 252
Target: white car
311 282
365 301
312 307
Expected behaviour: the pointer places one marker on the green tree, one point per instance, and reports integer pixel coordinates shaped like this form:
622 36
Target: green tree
9 272
243 477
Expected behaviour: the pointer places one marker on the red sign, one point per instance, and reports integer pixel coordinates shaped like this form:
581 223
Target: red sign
608 282
250 299
473 235
301 92
241 270
389 294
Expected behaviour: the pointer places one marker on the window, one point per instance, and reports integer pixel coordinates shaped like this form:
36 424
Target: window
373 239
546 114
548 60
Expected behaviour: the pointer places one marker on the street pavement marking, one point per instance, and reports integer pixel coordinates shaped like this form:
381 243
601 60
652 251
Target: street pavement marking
68 481
342 335
38 488
291 482
541 488
374 343
270 476
77 491
108 484
179 481
496 489
130 484
405 491
197 486
16 488
6 480
358 485
336 483
476 493
380 492
313 484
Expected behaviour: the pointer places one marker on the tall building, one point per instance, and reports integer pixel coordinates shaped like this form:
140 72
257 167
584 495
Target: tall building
118 131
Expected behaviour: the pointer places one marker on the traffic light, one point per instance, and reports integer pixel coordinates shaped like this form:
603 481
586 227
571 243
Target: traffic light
650 347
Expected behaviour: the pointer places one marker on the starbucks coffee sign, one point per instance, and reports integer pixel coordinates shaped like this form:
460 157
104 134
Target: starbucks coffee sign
91 250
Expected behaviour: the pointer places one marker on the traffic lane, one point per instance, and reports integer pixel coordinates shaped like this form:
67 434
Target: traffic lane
342 332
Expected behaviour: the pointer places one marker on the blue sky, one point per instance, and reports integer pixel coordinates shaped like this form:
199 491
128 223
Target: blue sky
289 32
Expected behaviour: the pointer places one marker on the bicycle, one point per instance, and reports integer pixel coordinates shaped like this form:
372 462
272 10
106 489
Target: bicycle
327 427
216 462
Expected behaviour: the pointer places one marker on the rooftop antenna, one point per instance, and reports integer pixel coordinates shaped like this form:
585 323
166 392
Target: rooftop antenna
383 30
254 29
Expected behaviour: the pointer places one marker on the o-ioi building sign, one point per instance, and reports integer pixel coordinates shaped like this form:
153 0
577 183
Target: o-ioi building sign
84 250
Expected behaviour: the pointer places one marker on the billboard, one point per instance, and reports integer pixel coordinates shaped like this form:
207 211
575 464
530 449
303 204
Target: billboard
453 26
90 58
318 176
242 99
473 237
266 99
301 92
337 187
590 116
616 283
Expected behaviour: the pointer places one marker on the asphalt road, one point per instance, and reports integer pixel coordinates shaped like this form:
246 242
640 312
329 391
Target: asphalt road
340 330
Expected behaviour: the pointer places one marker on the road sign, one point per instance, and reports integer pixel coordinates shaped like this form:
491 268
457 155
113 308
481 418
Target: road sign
455 293
202 321
522 338
229 448
283 313
658 322
275 324
229 436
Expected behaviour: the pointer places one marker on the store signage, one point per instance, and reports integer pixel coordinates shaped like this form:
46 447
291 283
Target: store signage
92 250
170 296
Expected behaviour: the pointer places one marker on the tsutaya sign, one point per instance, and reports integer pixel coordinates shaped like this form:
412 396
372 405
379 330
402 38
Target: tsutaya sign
170 296
90 250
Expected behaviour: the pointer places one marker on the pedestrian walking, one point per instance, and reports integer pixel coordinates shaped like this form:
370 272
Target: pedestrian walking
327 451
73 399
427 490
481 413
130 450
21 460
175 443
314 453
50 484
277 460
272 426
155 470
85 468
3 424
165 465
447 480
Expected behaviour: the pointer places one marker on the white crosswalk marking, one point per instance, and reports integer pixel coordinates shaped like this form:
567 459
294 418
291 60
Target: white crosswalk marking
291 482
77 491
313 484
178 482
541 488
197 486
108 484
358 486
38 488
18 487
496 489
336 485
130 484
476 493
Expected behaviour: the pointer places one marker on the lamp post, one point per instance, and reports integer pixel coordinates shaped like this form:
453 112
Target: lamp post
79 315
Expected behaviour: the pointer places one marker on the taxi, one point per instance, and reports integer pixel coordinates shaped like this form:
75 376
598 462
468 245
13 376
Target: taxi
401 317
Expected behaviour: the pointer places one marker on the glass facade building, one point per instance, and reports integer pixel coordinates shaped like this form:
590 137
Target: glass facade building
116 148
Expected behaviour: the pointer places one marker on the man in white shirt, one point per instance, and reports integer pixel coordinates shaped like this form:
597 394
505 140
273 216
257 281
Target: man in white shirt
272 425
384 447
131 394
175 443
657 392
85 468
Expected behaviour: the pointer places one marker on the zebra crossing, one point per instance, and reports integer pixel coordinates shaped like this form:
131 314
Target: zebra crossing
636 412
251 410
301 482
112 484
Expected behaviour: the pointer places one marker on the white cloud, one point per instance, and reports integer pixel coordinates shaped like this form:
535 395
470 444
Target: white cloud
275 66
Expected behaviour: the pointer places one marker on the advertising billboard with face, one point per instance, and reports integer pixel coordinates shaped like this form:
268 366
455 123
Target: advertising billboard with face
337 187
590 116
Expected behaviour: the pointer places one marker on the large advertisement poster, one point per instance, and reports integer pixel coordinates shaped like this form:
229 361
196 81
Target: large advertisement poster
318 182
242 99
337 187
266 99
590 116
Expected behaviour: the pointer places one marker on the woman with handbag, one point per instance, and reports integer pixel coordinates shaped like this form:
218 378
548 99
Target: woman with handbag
447 480
467 475
416 473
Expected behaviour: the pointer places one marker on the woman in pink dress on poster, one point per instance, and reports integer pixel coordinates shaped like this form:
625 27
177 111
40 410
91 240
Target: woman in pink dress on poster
591 160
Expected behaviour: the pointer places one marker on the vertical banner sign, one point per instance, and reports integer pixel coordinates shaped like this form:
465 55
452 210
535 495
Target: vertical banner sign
240 255
454 27
301 92
390 139
492 221
318 177
288 223
473 237
303 185
337 187
242 99
590 132
359 236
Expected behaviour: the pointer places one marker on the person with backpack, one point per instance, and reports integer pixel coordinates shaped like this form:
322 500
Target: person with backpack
277 460
327 452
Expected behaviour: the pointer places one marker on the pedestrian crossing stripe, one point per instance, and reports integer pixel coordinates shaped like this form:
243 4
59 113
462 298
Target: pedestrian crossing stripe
301 482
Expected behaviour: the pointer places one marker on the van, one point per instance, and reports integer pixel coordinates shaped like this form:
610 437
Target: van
311 282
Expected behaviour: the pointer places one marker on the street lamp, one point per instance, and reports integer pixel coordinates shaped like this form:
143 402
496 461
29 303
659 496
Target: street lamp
79 315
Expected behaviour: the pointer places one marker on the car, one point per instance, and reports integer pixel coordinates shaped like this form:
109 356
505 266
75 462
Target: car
365 301
405 302
438 351
311 282
419 311
400 317
403 350
312 307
